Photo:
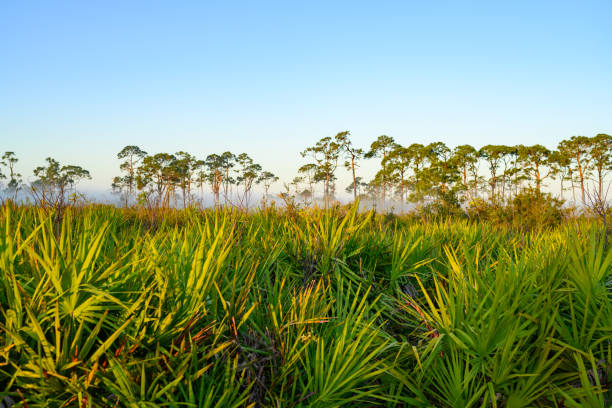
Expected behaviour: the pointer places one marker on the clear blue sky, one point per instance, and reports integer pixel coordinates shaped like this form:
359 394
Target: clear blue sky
81 79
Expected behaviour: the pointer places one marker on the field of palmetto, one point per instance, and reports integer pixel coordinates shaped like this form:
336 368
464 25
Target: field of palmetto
302 308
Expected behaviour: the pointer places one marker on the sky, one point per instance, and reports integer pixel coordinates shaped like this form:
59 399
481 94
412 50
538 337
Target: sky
79 80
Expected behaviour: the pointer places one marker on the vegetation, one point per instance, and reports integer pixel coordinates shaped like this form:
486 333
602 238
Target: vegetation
429 177
436 176
296 308
490 292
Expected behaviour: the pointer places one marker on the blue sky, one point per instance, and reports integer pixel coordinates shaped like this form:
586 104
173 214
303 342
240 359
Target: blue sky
81 79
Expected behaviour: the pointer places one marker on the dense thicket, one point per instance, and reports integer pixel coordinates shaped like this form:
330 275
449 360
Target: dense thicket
299 308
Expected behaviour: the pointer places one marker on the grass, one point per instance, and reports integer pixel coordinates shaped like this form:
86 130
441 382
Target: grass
306 308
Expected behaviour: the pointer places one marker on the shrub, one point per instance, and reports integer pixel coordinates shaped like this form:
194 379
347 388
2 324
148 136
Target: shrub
530 209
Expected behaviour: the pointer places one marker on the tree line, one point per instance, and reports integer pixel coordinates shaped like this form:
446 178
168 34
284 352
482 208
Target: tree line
160 178
434 172
417 173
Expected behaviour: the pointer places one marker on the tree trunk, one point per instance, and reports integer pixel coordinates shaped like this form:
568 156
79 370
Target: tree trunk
326 188
493 183
383 181
600 181
354 180
582 186
581 175
571 175
311 189
402 188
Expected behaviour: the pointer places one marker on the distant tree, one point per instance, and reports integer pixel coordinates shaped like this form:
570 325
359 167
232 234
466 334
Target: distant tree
228 161
517 173
325 153
267 179
183 166
374 188
296 184
494 156
9 160
536 164
359 185
419 159
199 175
385 179
133 155
352 155
332 187
466 159
248 173
511 172
445 169
54 181
381 147
398 162
601 154
156 176
311 175
214 166
562 164
577 147
118 187
443 178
